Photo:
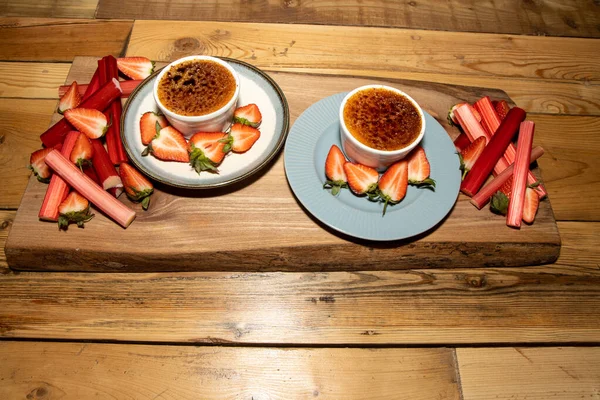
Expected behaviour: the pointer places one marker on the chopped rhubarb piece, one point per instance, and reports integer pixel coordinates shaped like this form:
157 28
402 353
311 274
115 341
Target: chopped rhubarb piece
461 141
91 88
483 196
90 190
492 152
107 174
473 129
452 117
98 101
127 86
114 145
57 189
521 167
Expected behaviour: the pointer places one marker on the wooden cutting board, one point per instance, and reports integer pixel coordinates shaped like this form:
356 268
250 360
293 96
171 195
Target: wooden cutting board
258 225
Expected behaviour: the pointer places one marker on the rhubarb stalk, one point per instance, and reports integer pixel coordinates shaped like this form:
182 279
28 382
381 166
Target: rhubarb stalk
114 145
483 196
461 142
98 101
57 190
107 174
127 86
490 120
89 189
90 89
492 152
521 166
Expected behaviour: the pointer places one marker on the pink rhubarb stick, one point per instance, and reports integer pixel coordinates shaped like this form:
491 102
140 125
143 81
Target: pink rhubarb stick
90 189
522 161
483 196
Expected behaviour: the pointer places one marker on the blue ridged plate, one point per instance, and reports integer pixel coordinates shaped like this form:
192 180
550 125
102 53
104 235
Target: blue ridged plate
307 145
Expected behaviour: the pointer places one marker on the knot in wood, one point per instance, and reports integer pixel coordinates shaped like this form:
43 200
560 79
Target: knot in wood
476 282
187 44
290 3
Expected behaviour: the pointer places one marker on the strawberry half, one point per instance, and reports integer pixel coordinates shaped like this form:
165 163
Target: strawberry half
362 179
39 167
248 115
82 152
148 125
393 184
89 121
71 99
532 202
168 145
419 169
136 186
241 138
135 67
207 150
470 154
334 170
502 108
75 208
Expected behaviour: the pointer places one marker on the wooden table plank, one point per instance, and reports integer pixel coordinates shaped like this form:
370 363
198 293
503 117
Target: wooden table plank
549 304
32 80
45 39
48 8
529 373
6 219
545 17
21 122
175 372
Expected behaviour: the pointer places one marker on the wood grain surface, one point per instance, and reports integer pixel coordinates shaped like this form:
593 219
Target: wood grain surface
529 373
48 8
83 371
32 80
277 232
48 39
542 17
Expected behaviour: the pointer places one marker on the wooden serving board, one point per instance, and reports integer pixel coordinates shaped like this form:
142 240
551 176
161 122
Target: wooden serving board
258 225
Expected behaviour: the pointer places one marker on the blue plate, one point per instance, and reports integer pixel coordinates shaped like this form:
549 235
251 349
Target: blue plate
308 143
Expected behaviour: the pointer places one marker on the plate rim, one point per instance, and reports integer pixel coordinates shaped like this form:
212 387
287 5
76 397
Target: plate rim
267 160
341 229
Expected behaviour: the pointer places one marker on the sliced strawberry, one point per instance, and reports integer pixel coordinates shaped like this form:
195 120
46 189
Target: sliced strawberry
241 138
39 167
89 121
470 154
168 145
136 186
532 202
362 179
71 99
502 108
207 150
500 199
393 184
248 115
82 152
419 169
135 67
75 208
148 125
335 177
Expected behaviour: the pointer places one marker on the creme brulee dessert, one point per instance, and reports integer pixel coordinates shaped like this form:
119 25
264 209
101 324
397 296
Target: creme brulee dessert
196 87
382 119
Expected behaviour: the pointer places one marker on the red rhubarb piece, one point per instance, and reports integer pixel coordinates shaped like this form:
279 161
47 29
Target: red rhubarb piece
522 161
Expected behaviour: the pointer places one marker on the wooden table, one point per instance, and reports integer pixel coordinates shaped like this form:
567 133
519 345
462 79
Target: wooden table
468 333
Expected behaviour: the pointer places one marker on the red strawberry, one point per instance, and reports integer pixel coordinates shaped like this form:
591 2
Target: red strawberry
39 167
136 186
419 169
248 115
89 121
207 150
148 125
362 179
334 170
70 99
393 184
75 208
470 154
241 138
168 145
135 67
502 108
82 152
532 202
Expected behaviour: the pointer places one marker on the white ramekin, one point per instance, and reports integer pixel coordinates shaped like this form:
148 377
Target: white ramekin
360 153
214 122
